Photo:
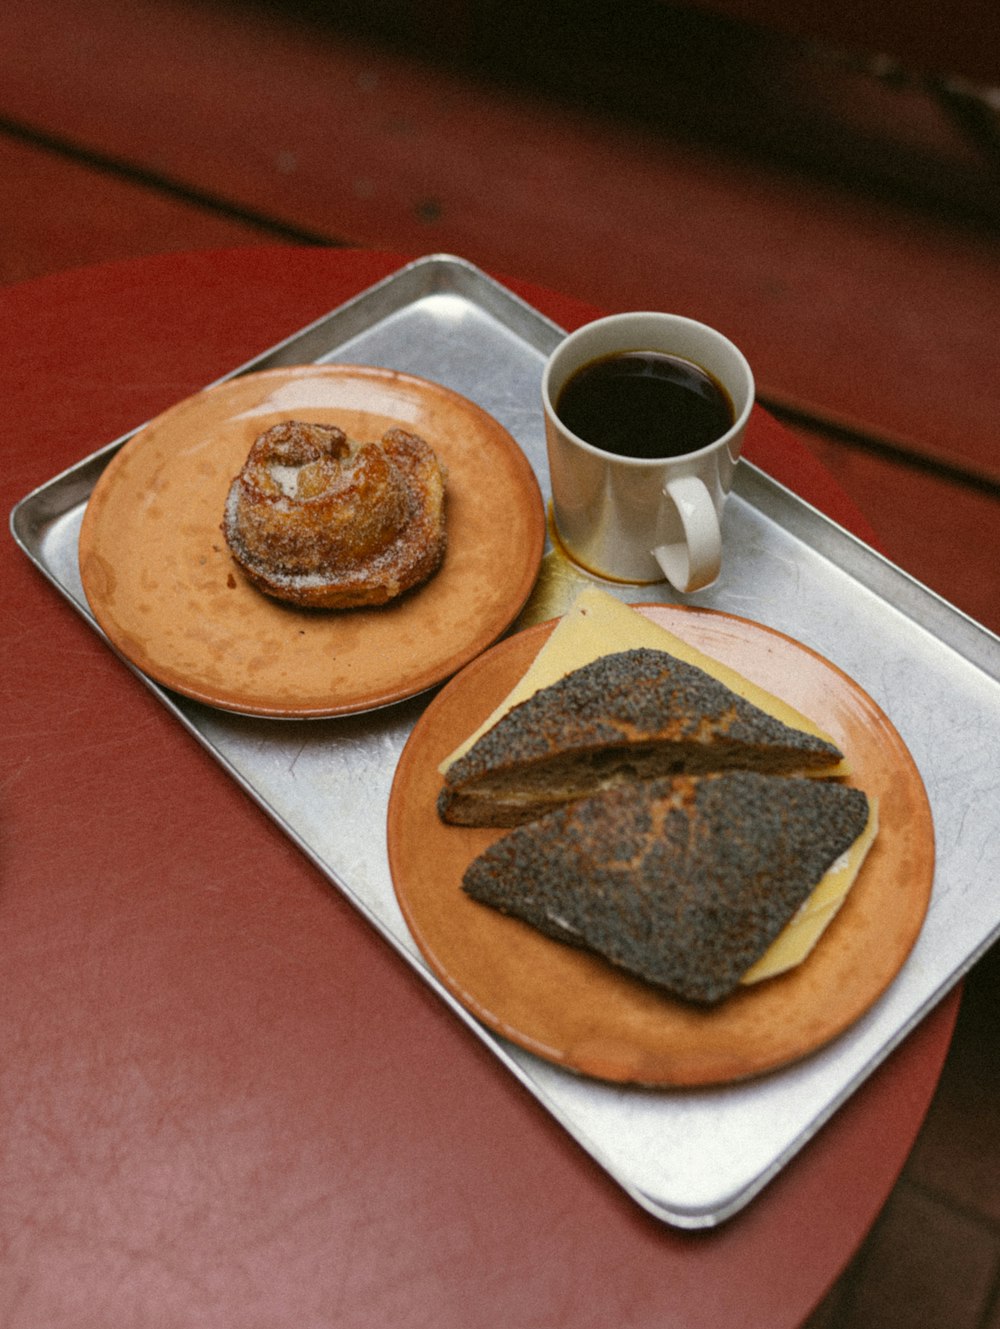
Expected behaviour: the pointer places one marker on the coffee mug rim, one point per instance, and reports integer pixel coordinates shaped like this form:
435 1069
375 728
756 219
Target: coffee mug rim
650 463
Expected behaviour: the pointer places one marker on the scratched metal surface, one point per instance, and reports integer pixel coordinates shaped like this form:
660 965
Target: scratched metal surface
692 1159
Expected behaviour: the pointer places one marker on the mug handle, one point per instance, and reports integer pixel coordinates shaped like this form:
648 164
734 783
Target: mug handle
694 562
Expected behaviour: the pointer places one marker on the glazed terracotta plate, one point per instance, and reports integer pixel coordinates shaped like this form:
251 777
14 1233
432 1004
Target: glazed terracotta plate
162 585
574 1009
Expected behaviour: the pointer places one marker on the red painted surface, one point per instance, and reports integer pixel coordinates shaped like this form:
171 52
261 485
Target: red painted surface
226 1102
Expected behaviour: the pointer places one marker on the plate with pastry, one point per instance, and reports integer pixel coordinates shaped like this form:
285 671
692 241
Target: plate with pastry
660 845
312 541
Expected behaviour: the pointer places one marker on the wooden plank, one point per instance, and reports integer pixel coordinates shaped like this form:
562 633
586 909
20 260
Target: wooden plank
61 213
946 535
869 311
954 39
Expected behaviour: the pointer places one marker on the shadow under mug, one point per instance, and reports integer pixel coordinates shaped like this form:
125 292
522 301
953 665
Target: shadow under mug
637 519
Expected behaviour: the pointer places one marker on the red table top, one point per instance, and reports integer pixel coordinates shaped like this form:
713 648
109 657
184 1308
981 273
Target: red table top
225 1100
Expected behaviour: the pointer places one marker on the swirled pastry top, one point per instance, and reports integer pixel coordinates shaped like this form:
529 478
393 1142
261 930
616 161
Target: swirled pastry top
323 521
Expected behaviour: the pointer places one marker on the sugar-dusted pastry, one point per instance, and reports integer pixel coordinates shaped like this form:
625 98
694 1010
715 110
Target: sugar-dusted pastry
321 521
683 882
633 714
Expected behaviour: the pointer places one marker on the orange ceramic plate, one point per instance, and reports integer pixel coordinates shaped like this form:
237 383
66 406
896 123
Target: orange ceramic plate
161 583
574 1009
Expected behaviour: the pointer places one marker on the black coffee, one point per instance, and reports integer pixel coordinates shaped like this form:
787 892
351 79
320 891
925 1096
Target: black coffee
645 404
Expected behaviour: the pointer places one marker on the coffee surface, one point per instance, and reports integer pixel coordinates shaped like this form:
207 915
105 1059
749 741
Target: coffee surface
645 404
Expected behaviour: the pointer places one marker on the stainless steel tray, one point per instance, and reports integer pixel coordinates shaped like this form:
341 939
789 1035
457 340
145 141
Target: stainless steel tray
692 1159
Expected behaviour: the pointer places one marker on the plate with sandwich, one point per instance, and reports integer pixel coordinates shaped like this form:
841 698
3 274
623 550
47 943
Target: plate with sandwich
658 845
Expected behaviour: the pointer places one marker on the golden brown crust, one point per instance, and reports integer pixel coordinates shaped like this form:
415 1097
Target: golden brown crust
322 522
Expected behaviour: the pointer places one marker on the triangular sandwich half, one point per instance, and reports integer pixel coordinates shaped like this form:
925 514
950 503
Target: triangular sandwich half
685 882
634 714
597 623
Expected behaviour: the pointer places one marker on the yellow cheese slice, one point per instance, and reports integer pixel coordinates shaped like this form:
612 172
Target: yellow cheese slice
597 624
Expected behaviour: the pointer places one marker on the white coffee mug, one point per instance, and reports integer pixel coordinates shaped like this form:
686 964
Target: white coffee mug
637 519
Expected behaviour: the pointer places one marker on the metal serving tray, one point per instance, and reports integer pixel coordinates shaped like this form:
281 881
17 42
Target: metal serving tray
692 1159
